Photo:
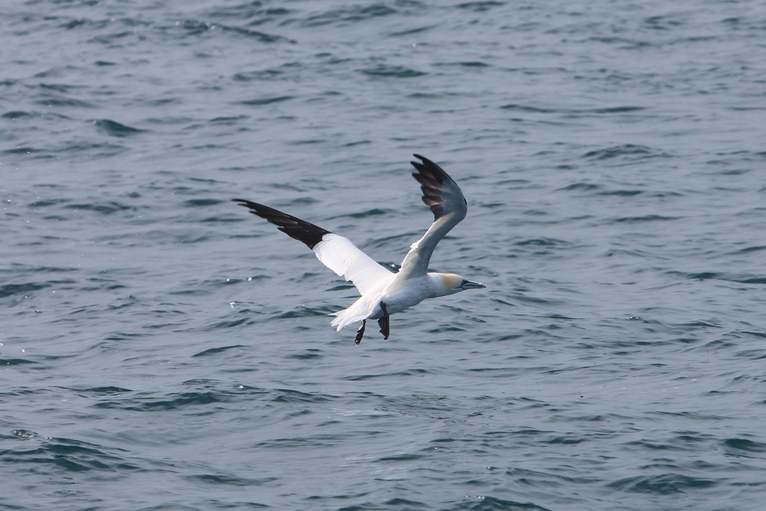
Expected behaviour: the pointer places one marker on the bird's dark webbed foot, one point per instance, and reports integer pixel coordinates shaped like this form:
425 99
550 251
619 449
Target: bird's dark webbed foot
383 321
360 332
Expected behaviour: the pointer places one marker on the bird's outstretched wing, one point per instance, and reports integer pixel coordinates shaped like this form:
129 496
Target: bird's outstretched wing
333 250
443 196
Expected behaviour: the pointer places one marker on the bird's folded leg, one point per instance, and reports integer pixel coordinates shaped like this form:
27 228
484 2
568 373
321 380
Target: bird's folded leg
383 321
360 332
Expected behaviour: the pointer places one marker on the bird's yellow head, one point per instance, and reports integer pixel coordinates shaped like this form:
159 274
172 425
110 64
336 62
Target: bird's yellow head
453 283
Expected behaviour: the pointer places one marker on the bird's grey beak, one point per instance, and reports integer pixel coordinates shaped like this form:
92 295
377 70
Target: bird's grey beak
467 284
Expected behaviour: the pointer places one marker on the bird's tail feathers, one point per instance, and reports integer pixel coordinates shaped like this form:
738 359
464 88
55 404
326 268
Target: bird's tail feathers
358 311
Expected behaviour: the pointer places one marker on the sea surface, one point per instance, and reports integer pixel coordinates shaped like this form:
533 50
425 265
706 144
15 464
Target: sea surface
162 349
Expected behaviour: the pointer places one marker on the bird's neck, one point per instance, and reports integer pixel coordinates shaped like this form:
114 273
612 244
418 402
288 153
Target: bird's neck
442 283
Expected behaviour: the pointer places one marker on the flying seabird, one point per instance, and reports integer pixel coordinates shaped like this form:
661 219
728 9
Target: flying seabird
383 292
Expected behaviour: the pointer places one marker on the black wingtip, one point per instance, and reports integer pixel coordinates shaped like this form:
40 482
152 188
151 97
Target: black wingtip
429 170
431 178
298 229
419 165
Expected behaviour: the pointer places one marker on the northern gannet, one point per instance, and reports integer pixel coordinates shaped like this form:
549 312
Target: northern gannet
383 292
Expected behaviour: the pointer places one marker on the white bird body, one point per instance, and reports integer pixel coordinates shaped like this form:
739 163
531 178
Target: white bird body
398 294
403 293
383 292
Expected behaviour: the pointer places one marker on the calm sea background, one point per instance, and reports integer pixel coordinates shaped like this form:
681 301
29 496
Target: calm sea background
161 349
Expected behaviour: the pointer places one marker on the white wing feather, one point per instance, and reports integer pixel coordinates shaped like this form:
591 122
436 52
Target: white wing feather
347 261
334 251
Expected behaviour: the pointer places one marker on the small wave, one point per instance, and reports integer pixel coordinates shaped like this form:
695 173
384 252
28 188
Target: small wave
353 14
756 354
480 6
622 150
445 329
16 361
408 372
535 109
565 440
709 275
616 109
743 446
228 323
265 74
392 72
27 287
702 275
643 218
581 187
411 31
46 203
59 87
146 403
663 484
526 298
76 23
62 101
228 120
265 101
622 42
307 141
202 202
528 108
22 150
400 457
231 480
543 479
296 396
116 39
364 214
318 440
90 149
681 442
466 63
357 142
195 28
309 354
400 503
620 193
749 250
17 114
760 335
541 242
107 390
261 37
104 208
16 268
660 22
214 351
70 455
303 312
250 10
489 503
115 129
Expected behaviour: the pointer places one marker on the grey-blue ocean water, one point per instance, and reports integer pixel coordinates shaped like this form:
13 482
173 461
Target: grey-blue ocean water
162 349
